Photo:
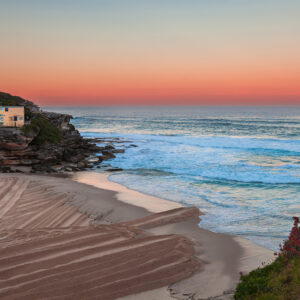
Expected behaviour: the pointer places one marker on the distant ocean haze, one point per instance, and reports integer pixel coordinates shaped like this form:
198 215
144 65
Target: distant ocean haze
239 165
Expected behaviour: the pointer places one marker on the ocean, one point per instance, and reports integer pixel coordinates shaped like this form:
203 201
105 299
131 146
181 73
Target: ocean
239 165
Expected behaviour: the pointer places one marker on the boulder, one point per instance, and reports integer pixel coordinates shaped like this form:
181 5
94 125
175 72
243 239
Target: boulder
118 151
81 165
107 155
114 170
109 147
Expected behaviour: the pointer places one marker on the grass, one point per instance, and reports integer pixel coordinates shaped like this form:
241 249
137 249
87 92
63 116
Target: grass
47 132
279 280
8 100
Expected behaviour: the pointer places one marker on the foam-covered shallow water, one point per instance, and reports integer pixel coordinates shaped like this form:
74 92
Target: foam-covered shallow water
239 165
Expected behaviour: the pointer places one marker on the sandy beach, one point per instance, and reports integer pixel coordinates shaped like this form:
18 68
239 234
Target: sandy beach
88 238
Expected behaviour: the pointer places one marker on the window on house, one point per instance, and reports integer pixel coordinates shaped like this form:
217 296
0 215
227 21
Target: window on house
20 118
6 108
15 118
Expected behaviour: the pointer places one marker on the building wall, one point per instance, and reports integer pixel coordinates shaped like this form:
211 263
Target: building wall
12 116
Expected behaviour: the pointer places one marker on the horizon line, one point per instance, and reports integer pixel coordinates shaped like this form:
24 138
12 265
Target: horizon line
172 105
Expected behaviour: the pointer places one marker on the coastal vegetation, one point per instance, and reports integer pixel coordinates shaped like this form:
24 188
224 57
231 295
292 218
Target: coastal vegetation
46 132
279 280
10 100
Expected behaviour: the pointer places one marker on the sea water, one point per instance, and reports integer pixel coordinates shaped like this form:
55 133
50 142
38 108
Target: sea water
239 165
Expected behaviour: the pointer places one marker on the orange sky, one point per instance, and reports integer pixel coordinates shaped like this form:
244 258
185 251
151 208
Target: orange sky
94 53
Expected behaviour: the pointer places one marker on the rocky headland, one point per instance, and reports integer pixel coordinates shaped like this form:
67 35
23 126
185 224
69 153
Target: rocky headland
48 143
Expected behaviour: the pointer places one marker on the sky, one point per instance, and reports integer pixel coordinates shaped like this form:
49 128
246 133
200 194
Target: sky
136 52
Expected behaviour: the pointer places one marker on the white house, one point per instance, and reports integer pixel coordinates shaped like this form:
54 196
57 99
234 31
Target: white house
12 116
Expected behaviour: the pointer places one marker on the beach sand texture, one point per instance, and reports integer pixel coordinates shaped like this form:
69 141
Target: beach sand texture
50 250
61 239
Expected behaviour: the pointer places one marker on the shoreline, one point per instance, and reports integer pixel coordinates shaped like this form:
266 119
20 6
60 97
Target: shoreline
251 254
206 264
100 180
137 198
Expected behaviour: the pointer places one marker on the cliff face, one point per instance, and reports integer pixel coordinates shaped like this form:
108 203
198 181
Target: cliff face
48 142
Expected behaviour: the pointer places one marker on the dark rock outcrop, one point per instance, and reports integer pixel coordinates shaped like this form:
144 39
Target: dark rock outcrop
71 152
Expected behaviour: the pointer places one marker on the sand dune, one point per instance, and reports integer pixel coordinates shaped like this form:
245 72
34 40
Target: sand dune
50 250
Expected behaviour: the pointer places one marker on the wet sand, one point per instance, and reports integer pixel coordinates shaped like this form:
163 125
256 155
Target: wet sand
63 239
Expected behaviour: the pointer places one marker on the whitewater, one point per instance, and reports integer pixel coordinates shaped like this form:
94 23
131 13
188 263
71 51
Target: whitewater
239 165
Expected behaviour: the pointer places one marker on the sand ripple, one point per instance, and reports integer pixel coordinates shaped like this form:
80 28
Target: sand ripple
49 250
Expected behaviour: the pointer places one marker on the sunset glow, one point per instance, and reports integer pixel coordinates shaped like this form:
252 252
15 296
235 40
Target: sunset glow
151 52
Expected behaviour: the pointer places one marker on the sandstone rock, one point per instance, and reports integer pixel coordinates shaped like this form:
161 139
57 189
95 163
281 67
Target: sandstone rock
114 170
94 148
81 165
61 121
10 162
93 159
107 155
21 169
29 162
5 169
109 147
18 148
118 151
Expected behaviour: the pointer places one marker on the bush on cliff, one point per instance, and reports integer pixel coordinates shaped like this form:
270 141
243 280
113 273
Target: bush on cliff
47 132
278 281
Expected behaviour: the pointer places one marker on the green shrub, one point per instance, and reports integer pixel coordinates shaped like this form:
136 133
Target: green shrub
28 113
279 280
10 102
47 132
